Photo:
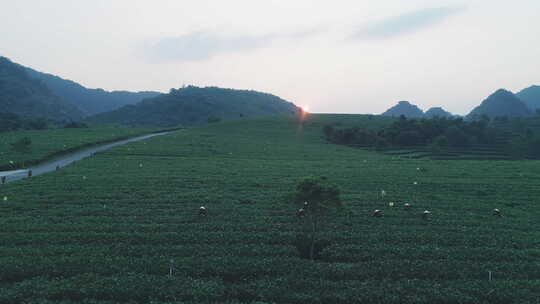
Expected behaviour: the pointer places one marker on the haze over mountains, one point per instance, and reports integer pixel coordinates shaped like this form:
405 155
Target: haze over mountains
30 93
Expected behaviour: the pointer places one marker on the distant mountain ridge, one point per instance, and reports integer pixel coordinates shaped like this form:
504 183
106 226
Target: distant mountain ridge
404 108
27 92
437 112
193 105
89 101
410 110
531 97
25 96
501 103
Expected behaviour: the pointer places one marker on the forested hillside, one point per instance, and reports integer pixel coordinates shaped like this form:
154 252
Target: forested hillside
22 95
193 105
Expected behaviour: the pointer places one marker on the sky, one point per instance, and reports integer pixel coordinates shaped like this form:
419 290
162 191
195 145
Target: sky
335 56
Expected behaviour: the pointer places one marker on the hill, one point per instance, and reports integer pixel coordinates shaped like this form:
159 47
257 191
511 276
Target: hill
531 97
122 226
193 105
89 101
404 108
437 112
22 95
501 103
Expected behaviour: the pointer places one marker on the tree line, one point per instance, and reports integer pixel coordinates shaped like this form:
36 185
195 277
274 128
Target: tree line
443 133
13 122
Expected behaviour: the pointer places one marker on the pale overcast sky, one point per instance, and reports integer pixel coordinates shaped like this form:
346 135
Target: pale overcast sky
336 56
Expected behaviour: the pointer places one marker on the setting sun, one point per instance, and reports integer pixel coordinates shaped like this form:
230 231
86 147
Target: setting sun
305 108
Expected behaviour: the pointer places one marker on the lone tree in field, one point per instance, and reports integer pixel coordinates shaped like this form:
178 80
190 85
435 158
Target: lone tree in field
317 198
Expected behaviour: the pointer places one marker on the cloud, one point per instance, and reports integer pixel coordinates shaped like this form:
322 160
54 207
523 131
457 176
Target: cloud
405 24
202 45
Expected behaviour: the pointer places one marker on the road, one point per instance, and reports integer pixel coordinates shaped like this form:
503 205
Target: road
67 159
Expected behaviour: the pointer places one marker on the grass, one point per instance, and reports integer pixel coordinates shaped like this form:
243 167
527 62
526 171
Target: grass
109 229
52 142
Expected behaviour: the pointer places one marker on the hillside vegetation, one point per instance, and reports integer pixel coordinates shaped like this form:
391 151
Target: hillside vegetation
123 226
22 95
194 106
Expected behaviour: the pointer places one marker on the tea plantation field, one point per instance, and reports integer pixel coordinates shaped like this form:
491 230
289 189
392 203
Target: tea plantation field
122 226
46 143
